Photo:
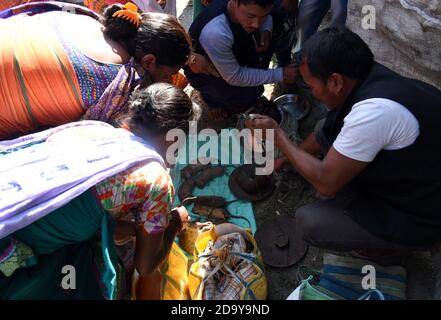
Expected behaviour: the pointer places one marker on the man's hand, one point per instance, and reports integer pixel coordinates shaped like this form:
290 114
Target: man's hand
290 74
265 41
281 163
201 64
264 123
261 122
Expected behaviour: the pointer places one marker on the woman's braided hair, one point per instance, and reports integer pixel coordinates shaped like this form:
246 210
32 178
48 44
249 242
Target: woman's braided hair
160 108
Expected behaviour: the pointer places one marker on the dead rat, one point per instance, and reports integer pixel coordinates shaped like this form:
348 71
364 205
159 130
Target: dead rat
219 214
209 201
186 189
209 174
192 170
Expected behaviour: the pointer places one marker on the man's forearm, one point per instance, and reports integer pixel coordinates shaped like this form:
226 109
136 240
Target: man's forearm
222 56
249 77
307 165
311 145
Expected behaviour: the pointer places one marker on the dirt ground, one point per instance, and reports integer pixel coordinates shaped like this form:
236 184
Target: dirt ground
293 192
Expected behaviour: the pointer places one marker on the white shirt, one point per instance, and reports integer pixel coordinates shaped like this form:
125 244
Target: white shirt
373 125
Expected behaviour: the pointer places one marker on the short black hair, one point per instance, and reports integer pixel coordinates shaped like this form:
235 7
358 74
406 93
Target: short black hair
261 3
337 50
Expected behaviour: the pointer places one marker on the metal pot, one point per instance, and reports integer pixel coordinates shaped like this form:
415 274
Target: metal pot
289 104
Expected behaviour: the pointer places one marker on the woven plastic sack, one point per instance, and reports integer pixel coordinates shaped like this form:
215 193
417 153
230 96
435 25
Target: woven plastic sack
247 283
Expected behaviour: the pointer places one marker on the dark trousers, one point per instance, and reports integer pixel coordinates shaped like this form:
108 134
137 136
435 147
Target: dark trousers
312 12
283 37
325 224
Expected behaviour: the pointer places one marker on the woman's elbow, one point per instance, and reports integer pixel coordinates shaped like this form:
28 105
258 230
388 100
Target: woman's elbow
146 269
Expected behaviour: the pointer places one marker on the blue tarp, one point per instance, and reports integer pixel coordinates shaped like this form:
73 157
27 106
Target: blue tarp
227 153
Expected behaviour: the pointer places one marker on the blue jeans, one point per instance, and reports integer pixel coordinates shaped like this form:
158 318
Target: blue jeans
312 12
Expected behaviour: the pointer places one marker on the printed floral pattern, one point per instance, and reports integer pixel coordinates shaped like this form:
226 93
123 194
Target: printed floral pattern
145 190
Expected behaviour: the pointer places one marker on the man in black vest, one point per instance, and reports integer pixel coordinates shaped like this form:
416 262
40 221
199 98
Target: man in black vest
234 35
382 166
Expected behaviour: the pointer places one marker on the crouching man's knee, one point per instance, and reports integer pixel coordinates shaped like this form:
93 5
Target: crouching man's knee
308 224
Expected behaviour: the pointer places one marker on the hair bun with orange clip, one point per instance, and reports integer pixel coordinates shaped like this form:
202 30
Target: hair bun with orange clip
130 13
